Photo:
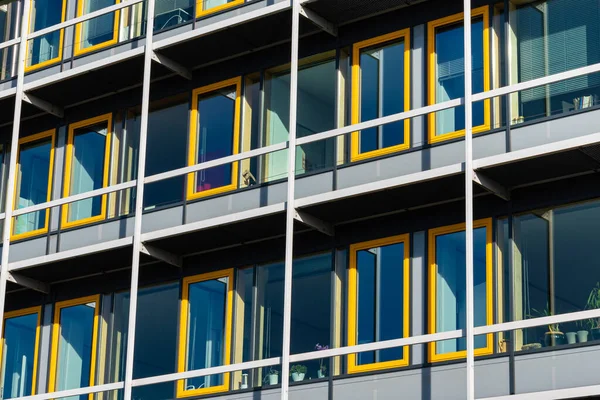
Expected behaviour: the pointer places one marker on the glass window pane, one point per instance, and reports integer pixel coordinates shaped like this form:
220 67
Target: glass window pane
451 290
45 13
449 74
97 30
34 173
206 333
18 355
75 346
207 5
87 170
172 13
9 15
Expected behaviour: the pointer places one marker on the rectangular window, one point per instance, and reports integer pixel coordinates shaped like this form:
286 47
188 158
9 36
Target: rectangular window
46 49
378 301
447 74
20 352
86 169
9 18
205 7
205 331
173 13
74 343
98 32
447 290
381 87
214 134
34 183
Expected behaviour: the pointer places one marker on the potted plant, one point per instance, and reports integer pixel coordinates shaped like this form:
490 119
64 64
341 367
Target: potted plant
582 334
321 372
593 303
273 376
297 372
554 336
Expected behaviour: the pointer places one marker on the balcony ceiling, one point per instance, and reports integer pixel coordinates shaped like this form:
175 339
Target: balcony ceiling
344 11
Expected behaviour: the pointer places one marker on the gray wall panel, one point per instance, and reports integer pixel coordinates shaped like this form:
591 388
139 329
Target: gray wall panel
154 221
90 235
418 270
27 249
418 134
315 184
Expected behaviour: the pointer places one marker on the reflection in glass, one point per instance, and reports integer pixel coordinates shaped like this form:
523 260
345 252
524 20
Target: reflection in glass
450 306
382 94
74 361
9 17
380 300
207 5
46 48
18 355
98 30
172 13
88 146
450 74
316 113
33 177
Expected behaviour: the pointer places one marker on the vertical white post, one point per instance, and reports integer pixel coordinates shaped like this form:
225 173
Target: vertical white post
289 224
12 164
139 202
469 202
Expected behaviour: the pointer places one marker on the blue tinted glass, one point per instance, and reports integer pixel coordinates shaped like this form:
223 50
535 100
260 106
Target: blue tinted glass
98 30
168 14
369 99
18 355
450 286
45 14
216 115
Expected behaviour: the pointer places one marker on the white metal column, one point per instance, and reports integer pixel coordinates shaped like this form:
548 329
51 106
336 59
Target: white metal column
290 211
139 201
12 164
469 202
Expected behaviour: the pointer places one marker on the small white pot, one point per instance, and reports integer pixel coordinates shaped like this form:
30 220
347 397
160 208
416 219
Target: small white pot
320 374
273 379
582 336
296 377
571 337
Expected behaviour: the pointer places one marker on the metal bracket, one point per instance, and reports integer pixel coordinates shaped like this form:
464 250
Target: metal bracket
319 21
28 283
314 222
491 185
162 255
172 65
44 105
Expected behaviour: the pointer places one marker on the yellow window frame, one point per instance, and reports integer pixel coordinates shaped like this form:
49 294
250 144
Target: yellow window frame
60 45
353 302
193 138
34 138
201 12
444 230
78 49
56 338
431 28
183 331
403 34
21 313
65 223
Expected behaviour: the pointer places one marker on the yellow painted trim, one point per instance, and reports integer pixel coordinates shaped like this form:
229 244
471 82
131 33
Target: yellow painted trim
191 192
403 34
56 336
78 50
20 313
60 44
34 138
65 223
201 12
432 62
353 303
433 234
183 331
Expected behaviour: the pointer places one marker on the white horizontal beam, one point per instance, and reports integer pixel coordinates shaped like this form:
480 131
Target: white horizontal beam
86 17
44 105
29 283
556 394
213 222
8 93
319 20
314 222
377 186
74 198
63 255
9 43
162 255
74 392
172 65
491 185
215 163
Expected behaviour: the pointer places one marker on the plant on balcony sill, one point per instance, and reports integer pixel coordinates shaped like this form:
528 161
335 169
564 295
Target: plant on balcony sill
554 336
593 303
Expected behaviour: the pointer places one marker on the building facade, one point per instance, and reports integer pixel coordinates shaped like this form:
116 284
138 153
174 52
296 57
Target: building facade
323 199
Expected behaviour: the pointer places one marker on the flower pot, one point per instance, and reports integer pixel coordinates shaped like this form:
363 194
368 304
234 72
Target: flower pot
595 334
320 373
554 338
296 376
571 337
273 379
582 336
